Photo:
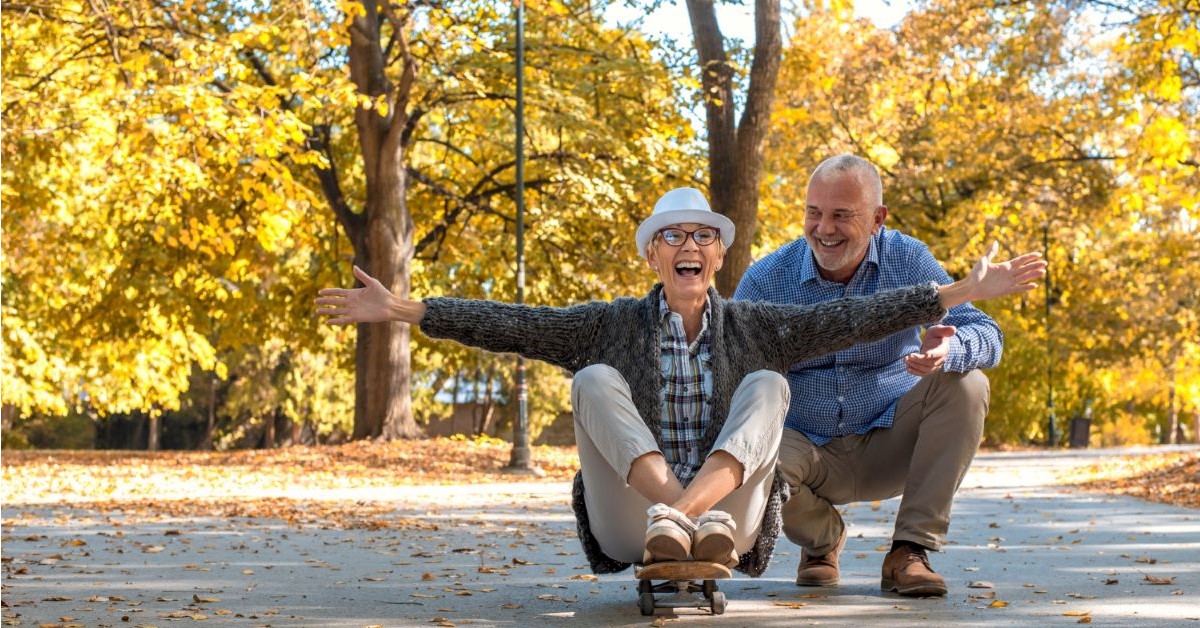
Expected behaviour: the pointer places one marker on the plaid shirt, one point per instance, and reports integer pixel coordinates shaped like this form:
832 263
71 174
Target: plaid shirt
686 387
856 390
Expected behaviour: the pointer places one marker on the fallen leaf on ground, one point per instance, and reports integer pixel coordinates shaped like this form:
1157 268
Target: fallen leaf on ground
1166 478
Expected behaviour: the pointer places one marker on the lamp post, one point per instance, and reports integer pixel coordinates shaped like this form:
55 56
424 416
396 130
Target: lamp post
520 460
1051 432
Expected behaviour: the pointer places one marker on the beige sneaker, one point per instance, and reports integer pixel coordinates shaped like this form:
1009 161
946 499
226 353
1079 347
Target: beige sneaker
713 539
668 534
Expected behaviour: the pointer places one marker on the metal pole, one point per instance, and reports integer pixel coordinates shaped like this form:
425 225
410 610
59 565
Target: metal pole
520 459
1051 432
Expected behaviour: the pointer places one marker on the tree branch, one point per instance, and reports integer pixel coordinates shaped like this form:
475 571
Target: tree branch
351 222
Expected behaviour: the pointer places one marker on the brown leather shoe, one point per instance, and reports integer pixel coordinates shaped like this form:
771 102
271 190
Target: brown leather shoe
906 571
820 571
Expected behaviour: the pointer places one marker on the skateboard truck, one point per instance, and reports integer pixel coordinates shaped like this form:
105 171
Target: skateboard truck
681 584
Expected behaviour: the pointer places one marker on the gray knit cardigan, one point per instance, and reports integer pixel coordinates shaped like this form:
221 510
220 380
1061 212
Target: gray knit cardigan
624 334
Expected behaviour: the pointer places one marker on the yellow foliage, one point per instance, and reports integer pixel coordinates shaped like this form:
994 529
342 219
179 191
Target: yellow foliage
974 145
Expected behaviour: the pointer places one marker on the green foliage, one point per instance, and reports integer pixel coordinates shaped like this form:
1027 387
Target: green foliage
73 431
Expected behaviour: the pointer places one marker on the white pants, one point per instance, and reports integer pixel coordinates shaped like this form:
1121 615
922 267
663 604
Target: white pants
610 435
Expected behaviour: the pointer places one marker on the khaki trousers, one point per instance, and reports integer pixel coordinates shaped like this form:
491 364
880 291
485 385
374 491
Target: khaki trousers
924 456
610 435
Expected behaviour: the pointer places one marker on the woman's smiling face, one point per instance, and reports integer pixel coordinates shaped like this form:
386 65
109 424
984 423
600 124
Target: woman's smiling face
686 270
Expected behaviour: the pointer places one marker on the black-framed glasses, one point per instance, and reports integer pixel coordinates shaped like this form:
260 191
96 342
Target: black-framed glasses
704 236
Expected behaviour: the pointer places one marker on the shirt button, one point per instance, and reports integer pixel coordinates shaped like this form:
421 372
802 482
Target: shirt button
841 398
685 389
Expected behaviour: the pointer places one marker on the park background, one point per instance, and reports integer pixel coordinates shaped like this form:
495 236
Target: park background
181 177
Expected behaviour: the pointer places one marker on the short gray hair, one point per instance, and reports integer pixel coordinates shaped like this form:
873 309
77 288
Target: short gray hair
862 170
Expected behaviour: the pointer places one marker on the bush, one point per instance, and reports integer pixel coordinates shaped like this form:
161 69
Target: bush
74 431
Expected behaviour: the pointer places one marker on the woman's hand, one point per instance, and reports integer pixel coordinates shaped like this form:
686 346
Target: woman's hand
988 281
372 303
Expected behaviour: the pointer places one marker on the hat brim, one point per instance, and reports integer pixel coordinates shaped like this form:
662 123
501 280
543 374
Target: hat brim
651 225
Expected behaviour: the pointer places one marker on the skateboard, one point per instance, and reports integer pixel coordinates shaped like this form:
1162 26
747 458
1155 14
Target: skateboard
675 584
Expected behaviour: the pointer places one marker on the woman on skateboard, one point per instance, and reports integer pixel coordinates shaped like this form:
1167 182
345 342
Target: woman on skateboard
678 396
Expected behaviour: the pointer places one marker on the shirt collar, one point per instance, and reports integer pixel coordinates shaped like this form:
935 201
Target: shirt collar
664 312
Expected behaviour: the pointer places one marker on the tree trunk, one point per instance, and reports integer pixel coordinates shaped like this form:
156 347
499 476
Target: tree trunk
8 416
735 152
152 439
489 413
297 436
382 234
269 430
207 444
1174 426
386 365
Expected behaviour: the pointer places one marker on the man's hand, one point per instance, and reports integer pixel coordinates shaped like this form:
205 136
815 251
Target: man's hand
935 348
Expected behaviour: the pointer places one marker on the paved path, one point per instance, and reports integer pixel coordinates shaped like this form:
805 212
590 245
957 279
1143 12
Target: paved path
506 555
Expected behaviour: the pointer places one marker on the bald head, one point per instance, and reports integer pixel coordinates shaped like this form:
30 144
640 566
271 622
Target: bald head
855 168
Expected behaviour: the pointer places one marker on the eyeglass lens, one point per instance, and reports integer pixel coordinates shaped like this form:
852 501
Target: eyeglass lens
703 236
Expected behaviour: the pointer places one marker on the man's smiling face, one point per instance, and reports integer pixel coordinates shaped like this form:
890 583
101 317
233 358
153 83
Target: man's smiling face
839 220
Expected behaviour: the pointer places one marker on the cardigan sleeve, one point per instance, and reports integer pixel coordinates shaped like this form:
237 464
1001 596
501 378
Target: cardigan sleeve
808 331
562 336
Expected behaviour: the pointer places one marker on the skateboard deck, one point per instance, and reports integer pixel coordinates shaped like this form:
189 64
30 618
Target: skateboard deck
681 584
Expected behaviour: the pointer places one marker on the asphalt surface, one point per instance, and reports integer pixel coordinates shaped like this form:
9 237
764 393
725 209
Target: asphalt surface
1021 552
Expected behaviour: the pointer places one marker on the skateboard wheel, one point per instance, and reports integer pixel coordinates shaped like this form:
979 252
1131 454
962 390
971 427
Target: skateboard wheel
709 587
646 603
718 603
644 586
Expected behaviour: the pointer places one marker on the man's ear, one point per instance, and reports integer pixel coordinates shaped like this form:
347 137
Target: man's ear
881 213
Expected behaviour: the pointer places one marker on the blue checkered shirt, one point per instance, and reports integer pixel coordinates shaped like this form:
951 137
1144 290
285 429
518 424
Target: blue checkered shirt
686 387
856 390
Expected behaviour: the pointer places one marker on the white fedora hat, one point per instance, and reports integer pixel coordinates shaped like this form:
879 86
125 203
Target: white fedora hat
680 206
